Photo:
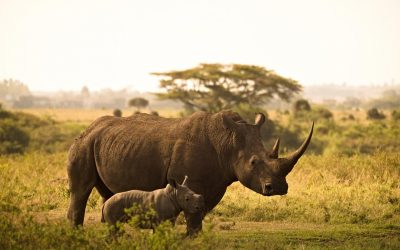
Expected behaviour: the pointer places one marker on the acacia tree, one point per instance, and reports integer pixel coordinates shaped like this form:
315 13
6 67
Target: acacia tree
212 87
138 102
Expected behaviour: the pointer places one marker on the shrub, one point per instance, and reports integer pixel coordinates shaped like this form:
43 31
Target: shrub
324 113
396 115
117 113
12 137
20 132
375 114
5 114
54 137
247 112
301 105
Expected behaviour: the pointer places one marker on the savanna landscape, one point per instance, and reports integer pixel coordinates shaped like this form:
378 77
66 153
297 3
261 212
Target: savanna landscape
263 124
344 193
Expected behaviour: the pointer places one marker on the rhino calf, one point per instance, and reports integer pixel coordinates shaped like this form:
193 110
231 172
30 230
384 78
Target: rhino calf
167 202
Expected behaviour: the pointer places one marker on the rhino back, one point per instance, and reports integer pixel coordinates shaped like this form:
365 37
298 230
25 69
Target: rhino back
136 152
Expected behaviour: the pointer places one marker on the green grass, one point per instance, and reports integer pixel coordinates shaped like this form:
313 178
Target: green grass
310 236
333 202
326 189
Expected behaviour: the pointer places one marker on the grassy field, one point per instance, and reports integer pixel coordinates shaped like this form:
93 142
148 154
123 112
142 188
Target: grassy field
334 201
350 202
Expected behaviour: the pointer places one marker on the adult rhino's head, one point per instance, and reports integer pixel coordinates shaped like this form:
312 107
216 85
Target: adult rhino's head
256 168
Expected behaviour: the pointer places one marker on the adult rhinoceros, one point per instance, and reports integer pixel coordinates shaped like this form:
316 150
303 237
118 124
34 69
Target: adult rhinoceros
145 151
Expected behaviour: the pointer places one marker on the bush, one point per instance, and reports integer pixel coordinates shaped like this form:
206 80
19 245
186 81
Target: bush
20 132
396 115
117 113
12 137
301 105
324 113
375 114
54 137
248 112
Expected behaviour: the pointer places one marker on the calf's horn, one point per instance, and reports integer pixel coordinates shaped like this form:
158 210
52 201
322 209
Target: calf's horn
295 156
184 181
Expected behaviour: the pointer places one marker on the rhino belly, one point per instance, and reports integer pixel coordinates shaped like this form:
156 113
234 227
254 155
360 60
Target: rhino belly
133 166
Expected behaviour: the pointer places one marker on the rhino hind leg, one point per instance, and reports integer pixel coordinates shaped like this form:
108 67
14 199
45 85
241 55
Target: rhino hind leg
103 190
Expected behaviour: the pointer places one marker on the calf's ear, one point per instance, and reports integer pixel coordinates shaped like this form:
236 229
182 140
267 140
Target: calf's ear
172 183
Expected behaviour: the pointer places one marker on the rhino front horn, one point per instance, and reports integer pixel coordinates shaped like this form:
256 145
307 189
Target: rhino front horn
295 156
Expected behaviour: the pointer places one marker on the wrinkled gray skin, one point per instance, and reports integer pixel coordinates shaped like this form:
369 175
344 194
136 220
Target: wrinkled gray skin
167 202
143 152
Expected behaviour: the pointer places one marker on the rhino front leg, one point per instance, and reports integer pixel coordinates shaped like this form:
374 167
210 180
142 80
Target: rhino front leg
81 183
193 223
77 205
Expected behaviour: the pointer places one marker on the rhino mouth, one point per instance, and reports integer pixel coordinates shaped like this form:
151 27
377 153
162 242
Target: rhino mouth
267 189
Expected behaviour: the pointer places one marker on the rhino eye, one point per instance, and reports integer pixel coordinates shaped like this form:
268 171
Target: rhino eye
187 198
254 160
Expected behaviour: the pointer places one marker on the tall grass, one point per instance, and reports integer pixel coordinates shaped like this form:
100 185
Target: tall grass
326 189
330 190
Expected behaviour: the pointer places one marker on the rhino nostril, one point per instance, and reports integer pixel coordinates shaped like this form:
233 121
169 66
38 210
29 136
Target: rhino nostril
268 188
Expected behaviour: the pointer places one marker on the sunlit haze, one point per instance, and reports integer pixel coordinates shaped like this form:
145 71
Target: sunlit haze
53 45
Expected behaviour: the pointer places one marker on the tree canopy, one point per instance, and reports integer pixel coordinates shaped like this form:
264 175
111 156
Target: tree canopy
138 102
213 87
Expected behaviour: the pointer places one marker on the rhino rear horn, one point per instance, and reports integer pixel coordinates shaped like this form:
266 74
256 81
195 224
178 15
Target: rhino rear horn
275 150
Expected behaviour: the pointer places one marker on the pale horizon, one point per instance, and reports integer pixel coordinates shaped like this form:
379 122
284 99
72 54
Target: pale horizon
64 45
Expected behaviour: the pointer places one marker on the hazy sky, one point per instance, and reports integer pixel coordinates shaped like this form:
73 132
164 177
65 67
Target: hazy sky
54 44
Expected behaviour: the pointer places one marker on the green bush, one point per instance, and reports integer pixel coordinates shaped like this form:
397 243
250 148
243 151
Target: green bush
365 139
20 132
396 115
13 139
117 113
247 112
375 114
301 105
54 137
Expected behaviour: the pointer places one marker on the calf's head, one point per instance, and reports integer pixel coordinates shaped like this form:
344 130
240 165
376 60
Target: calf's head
262 171
188 200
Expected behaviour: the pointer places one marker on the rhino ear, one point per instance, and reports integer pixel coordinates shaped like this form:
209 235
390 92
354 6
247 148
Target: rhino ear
172 183
229 123
260 119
